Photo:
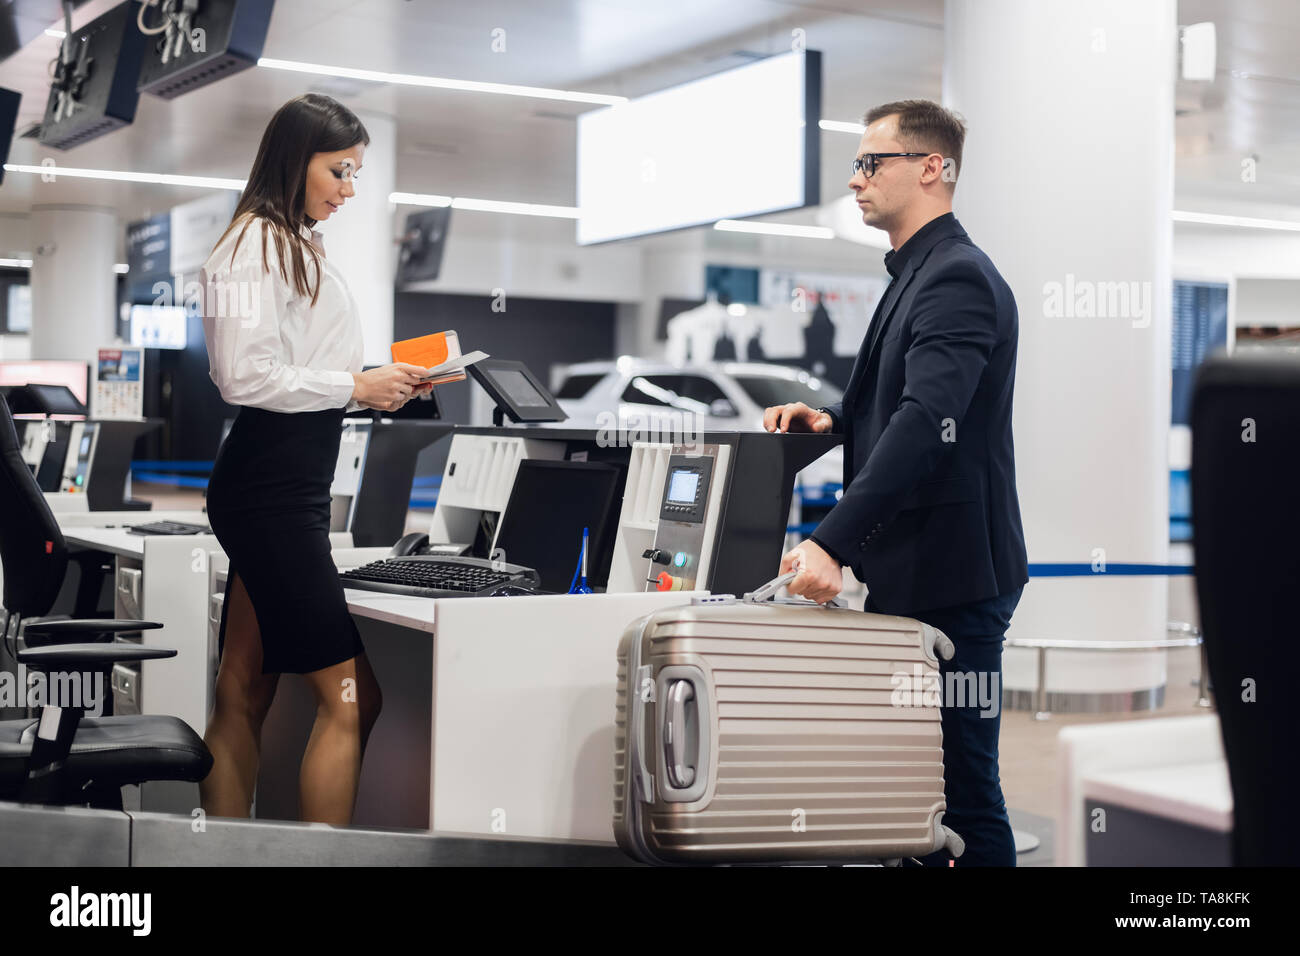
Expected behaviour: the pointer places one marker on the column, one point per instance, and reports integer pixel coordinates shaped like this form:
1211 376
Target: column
359 238
74 288
1067 183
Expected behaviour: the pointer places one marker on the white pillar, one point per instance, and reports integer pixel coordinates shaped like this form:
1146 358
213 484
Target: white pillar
1067 184
672 272
74 288
359 238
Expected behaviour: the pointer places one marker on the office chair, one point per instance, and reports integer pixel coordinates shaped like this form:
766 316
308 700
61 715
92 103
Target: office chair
1246 535
61 758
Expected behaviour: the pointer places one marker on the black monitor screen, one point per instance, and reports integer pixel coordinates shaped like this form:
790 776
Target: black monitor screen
550 504
56 399
521 391
50 474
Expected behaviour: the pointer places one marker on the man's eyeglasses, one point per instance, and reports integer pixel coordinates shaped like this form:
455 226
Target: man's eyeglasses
868 163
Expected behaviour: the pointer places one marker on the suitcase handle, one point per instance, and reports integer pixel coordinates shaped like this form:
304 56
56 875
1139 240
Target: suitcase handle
765 592
680 775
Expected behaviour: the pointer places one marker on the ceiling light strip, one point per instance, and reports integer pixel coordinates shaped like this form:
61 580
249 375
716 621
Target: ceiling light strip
1247 222
835 126
439 82
775 229
157 179
121 268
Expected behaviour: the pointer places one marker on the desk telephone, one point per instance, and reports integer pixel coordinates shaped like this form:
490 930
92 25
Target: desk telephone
414 566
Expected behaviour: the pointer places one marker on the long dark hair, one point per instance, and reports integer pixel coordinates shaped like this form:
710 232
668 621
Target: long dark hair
276 191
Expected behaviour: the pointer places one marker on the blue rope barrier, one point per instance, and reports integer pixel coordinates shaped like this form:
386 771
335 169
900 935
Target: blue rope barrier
1121 570
159 478
179 466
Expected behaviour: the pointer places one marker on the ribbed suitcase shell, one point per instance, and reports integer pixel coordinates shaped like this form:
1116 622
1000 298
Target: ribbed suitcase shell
809 759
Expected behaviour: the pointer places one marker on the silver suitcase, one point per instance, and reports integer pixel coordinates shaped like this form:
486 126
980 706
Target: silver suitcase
759 731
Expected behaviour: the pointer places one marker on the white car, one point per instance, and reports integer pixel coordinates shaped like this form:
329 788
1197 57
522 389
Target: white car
714 396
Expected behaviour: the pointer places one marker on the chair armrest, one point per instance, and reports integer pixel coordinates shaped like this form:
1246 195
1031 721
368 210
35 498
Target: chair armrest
82 655
67 630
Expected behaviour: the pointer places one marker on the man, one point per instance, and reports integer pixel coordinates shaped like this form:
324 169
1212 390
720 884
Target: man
929 519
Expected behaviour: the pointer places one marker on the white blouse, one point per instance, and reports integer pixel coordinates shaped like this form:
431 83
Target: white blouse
267 345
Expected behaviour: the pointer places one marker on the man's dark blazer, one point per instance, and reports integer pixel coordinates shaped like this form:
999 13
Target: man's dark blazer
929 517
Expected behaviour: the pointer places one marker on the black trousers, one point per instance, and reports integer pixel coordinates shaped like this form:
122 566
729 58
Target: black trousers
971 725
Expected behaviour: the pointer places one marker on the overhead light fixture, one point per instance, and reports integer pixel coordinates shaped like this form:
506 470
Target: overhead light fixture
57 34
419 199
1247 222
157 179
121 268
439 82
485 205
515 208
836 126
774 229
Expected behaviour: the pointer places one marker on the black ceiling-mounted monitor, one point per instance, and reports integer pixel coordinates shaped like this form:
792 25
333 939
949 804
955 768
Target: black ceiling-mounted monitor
518 393
9 101
218 39
94 92
420 258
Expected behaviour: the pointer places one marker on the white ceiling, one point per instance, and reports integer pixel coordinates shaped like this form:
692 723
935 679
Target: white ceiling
501 147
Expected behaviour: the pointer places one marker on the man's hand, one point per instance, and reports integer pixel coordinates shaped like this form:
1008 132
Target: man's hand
795 417
820 577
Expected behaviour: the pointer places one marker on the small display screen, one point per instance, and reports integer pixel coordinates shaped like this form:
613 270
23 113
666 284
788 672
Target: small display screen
518 389
683 486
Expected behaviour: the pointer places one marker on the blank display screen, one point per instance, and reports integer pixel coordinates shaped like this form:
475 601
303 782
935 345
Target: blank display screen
723 147
517 387
682 487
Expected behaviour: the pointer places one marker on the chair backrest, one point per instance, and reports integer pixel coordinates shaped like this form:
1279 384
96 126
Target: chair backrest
32 548
1246 536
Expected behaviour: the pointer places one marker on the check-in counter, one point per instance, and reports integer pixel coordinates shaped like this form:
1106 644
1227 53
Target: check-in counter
498 715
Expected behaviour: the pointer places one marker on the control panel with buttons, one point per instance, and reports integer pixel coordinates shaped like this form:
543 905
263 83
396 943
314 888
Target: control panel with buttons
684 505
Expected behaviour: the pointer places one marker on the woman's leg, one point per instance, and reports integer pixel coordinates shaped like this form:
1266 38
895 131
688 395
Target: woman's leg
348 701
243 697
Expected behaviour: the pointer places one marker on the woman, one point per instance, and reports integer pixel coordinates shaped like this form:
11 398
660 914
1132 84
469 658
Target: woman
284 343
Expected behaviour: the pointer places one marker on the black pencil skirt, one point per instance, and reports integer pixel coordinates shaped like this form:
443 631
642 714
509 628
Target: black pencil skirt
269 507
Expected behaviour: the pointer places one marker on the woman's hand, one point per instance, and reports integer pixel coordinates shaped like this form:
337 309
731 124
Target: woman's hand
388 387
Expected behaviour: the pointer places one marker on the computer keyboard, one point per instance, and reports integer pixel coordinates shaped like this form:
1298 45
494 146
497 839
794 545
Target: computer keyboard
169 527
429 575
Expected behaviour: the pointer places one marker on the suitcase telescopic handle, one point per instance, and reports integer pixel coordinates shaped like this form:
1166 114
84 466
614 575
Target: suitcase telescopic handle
764 593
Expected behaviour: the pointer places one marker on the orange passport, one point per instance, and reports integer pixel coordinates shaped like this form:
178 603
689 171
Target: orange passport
427 350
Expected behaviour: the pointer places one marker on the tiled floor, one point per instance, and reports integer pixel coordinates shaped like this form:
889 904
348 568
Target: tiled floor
1028 746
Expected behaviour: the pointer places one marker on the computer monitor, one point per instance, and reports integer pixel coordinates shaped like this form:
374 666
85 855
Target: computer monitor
425 239
518 393
550 503
159 327
45 399
50 473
